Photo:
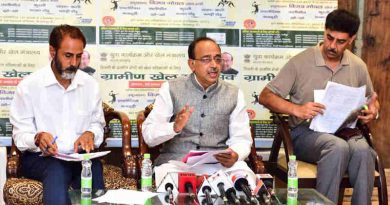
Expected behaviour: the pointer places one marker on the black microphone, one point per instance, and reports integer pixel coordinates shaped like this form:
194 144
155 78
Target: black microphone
169 193
262 192
207 191
221 188
189 189
231 196
187 183
168 186
241 184
220 182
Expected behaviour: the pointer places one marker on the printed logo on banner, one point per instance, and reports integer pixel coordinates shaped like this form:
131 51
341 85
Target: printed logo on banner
249 23
251 114
108 20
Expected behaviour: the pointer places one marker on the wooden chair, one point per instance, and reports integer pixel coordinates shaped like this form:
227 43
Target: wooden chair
18 190
307 172
254 161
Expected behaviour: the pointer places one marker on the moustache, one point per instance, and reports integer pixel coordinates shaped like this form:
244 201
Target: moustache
212 70
71 69
332 50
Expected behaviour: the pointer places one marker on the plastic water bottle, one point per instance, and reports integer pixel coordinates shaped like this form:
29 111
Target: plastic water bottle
86 199
146 173
86 177
292 182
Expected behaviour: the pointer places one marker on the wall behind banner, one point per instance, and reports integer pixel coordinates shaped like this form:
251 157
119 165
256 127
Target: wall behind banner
137 45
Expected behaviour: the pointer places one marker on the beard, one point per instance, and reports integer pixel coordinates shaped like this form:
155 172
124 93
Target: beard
67 73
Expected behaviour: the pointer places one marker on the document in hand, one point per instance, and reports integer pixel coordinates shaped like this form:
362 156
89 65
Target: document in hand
341 105
80 157
194 157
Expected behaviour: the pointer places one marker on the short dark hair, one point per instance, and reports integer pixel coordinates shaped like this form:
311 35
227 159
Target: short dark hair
191 47
59 32
343 21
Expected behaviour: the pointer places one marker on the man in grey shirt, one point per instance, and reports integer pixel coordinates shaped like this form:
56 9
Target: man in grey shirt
310 70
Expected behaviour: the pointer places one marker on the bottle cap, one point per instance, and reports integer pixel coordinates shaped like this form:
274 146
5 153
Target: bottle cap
146 156
292 157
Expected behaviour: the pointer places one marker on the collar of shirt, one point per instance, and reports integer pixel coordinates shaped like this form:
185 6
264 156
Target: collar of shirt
50 79
320 59
201 87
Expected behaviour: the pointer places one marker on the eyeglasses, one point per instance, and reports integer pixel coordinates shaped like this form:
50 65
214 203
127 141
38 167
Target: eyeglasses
208 59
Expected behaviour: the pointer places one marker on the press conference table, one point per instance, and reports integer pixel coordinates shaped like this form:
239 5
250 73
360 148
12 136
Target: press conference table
305 196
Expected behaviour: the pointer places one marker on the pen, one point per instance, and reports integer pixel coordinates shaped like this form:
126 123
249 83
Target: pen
52 142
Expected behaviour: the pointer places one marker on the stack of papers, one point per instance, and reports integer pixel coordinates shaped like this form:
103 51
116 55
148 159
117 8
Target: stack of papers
342 106
195 157
124 196
80 157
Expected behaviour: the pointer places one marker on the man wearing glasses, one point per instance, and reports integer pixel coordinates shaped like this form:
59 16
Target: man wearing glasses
200 112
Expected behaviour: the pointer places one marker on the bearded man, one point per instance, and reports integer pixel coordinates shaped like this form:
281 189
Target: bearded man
58 109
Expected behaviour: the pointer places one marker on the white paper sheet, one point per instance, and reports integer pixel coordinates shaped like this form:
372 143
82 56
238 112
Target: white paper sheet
340 101
206 158
124 196
80 157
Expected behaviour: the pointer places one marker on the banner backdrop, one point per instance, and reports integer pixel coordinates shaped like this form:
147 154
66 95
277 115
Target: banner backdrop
135 46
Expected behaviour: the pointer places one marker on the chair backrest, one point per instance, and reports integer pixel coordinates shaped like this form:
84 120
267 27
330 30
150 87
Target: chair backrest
143 147
128 159
254 161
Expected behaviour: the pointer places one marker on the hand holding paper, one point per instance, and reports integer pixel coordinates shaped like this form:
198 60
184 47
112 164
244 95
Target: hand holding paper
194 157
227 159
340 102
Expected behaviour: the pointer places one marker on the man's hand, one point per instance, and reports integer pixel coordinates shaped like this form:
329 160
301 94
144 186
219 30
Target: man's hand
182 118
44 141
227 159
85 141
308 110
372 111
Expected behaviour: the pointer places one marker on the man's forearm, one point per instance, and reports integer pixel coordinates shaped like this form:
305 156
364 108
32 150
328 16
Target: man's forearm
275 103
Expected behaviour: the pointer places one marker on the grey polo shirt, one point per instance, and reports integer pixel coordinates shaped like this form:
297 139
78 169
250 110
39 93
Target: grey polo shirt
307 72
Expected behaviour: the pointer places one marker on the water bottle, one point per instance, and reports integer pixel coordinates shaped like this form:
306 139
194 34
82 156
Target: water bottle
146 173
86 199
292 182
86 176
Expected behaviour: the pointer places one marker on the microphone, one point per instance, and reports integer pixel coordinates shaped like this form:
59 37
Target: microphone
262 192
241 184
231 196
168 185
187 183
220 182
264 187
206 191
